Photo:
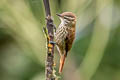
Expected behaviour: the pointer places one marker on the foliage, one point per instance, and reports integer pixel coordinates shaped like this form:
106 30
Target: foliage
95 53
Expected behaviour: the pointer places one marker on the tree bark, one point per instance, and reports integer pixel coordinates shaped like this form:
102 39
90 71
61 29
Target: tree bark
50 47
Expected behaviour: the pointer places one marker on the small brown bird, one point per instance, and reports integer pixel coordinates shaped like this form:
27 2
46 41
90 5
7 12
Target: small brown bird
65 35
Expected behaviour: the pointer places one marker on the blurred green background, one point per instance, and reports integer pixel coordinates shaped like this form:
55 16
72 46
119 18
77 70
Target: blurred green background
95 54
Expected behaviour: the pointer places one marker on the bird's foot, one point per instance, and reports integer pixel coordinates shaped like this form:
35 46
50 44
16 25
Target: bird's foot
52 42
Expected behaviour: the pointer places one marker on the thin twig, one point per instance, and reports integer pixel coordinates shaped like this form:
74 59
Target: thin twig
50 52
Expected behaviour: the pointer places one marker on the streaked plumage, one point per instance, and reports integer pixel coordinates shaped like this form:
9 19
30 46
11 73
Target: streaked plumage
65 35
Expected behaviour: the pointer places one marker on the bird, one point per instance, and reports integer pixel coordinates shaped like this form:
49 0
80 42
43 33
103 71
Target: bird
65 35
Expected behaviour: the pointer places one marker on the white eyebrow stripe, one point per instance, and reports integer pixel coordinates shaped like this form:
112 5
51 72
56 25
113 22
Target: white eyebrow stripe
69 17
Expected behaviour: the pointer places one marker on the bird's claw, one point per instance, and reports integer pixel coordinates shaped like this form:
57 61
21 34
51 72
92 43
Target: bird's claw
52 42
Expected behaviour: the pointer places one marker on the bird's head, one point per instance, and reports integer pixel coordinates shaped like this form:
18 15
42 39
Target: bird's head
67 18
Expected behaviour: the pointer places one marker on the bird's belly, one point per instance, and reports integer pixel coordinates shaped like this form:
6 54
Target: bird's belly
60 36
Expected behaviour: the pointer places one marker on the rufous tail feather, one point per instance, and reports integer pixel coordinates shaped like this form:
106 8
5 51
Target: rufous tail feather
62 60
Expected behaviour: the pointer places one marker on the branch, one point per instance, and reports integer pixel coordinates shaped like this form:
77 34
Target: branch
50 52
47 7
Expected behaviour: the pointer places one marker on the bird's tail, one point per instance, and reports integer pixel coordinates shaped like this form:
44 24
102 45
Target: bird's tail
62 60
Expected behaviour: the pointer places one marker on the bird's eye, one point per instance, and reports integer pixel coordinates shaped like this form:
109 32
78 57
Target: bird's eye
68 18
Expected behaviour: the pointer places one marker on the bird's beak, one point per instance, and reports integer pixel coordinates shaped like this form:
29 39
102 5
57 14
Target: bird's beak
59 15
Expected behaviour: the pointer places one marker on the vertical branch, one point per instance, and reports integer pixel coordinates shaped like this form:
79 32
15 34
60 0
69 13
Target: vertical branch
47 7
50 52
